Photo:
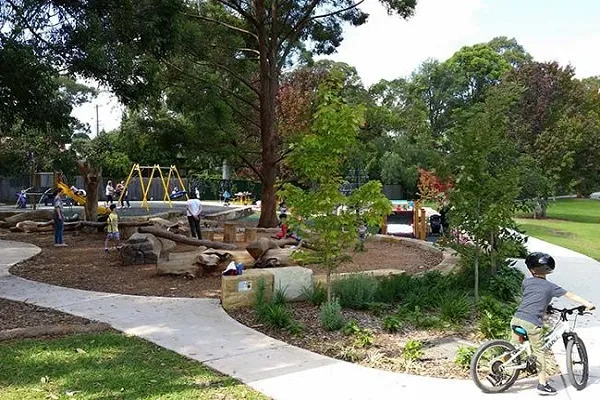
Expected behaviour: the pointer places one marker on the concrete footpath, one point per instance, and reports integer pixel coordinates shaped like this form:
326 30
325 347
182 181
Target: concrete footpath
201 330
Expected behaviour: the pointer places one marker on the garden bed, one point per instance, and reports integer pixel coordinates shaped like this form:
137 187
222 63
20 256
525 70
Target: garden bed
424 325
84 265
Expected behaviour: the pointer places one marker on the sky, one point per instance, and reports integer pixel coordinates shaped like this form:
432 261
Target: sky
388 47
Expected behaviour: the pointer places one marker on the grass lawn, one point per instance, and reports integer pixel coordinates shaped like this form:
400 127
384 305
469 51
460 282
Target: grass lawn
571 223
108 366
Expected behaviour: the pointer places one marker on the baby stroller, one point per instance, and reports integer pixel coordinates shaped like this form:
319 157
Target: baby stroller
435 222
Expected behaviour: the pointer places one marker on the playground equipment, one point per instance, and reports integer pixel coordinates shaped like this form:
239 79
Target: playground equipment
78 197
173 173
408 218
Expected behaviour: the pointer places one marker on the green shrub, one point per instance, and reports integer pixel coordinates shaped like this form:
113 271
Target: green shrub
356 291
331 317
492 326
391 324
277 316
412 350
350 328
454 307
364 338
464 354
393 288
506 285
315 294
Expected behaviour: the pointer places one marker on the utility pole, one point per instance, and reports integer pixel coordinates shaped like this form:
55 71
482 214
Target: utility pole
97 122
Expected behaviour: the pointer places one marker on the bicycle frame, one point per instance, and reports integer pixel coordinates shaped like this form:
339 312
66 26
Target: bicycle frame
561 329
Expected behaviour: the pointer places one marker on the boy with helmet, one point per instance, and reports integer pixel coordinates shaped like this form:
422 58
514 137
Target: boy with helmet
537 295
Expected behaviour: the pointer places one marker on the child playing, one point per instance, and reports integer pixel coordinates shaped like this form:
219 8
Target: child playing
537 295
112 229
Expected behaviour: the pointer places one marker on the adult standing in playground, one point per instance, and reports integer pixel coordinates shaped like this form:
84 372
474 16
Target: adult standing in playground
123 193
109 192
58 218
193 209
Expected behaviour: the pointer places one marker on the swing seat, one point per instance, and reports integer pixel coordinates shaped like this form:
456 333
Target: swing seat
177 195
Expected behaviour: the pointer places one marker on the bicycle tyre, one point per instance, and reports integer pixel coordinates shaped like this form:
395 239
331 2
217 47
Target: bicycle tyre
578 343
474 362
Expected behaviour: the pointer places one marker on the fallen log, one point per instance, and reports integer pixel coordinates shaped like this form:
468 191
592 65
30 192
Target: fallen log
184 239
122 223
36 215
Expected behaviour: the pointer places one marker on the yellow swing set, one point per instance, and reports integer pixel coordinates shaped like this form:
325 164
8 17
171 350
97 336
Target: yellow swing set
173 173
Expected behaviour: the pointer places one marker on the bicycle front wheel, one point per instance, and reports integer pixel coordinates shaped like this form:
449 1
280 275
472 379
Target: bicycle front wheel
578 368
491 368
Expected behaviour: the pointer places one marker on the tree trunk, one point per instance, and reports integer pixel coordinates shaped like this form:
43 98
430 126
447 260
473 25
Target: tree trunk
493 254
476 272
158 232
269 84
92 177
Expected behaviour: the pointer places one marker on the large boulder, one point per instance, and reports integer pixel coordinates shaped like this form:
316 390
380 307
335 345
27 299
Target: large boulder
141 248
292 281
239 291
260 247
167 246
181 264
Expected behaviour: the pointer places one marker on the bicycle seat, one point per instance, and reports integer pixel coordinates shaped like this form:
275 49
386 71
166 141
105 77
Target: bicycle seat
520 332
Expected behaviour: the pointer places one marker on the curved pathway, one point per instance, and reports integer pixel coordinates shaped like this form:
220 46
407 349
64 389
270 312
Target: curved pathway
200 329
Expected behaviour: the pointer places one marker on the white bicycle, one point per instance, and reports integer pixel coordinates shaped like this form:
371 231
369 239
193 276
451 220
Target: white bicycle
496 364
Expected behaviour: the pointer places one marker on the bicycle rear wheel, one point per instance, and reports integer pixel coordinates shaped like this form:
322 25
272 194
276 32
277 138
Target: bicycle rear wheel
489 368
578 367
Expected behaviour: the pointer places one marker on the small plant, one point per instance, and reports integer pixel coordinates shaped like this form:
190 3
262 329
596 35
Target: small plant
464 354
277 316
261 302
355 291
351 328
279 297
364 338
315 294
391 324
331 317
422 320
349 353
378 308
454 306
412 350
295 328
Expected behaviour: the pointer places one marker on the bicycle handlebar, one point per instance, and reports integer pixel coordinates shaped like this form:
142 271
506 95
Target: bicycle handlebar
564 311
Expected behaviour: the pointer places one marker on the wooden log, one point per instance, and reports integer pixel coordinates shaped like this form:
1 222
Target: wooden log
184 239
229 232
250 235
122 223
208 234
181 264
239 256
37 215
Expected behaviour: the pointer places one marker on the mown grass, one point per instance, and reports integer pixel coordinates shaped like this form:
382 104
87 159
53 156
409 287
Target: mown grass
108 366
575 210
577 236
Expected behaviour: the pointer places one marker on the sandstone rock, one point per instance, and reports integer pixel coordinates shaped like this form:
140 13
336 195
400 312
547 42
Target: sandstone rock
239 290
141 248
260 247
167 246
180 264
292 281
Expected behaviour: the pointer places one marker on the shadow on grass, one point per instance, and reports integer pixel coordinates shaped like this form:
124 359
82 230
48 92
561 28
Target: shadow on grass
108 366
